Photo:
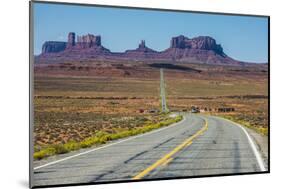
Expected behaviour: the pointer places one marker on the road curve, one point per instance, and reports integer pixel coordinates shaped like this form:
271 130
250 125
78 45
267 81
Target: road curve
198 145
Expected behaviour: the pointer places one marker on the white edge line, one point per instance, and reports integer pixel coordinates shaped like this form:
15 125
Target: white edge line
252 144
105 146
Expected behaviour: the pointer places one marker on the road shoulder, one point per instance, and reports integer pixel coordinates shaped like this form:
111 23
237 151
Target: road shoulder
261 142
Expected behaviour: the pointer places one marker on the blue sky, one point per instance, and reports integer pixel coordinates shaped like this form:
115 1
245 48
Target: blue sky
243 38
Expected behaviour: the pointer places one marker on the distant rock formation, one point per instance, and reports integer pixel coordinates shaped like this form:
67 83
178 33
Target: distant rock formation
142 44
179 42
88 41
202 49
201 42
140 53
53 47
71 40
143 48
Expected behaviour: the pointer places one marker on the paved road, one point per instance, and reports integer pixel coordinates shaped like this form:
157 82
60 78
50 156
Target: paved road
162 92
198 145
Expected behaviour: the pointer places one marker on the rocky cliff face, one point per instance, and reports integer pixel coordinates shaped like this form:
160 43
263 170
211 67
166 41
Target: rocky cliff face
71 40
202 49
88 41
202 43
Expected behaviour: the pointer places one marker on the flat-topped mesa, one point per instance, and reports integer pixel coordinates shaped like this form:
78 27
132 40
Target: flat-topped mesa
83 42
88 41
202 49
53 47
201 43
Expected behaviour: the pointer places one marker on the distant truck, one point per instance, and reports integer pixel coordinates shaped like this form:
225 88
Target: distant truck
195 109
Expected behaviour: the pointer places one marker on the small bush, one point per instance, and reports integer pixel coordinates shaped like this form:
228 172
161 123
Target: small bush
44 153
71 146
60 149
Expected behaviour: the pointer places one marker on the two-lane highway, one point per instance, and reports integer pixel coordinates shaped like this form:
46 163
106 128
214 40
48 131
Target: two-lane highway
198 145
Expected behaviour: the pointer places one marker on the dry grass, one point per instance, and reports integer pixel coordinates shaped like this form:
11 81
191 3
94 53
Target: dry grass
101 137
70 110
73 106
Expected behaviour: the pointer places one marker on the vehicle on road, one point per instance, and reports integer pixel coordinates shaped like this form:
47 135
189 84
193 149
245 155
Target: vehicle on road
195 109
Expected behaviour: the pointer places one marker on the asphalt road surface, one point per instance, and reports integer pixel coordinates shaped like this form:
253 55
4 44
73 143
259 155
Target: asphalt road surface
162 92
198 145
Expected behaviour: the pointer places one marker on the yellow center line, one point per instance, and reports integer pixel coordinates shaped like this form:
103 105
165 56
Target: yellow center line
168 157
167 161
